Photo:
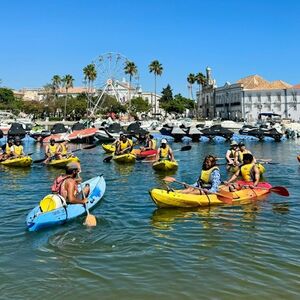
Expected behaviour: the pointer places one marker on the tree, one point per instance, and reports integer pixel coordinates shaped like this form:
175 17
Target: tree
156 68
166 97
67 81
111 104
191 79
6 96
56 84
90 74
140 105
130 69
201 80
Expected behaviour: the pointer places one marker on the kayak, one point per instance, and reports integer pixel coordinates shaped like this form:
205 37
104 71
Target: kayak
109 148
143 154
165 165
61 163
25 161
37 220
163 198
124 158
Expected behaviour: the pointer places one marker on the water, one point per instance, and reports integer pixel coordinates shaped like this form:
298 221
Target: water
140 252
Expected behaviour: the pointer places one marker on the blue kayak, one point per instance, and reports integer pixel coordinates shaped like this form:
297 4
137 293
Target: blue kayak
37 220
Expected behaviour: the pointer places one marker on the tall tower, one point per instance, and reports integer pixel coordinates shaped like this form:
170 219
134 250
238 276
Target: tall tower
208 76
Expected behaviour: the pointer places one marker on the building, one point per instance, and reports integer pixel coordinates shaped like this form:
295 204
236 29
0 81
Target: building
249 97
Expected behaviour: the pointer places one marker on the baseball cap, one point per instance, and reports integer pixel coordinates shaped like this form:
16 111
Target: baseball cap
164 141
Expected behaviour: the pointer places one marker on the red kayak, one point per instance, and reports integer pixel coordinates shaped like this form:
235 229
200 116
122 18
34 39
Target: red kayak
143 154
59 137
264 185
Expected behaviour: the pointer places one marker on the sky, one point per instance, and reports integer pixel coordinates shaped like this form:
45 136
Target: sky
236 39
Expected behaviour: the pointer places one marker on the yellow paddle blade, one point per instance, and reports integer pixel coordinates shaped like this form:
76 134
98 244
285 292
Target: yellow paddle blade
90 221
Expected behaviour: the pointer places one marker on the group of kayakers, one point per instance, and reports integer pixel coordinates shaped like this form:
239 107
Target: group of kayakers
12 149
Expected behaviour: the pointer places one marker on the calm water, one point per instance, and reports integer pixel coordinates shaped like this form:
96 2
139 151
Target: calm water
140 252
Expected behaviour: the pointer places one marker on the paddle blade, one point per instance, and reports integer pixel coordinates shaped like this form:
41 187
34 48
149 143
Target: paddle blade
90 147
108 159
169 179
186 148
280 190
39 160
90 221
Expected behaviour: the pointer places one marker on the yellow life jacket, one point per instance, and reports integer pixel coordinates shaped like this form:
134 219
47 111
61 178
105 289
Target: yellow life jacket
247 172
125 145
52 149
164 152
64 150
241 155
7 148
153 144
261 168
232 153
18 150
205 175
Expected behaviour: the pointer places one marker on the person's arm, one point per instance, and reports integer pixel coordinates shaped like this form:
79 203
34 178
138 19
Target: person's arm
158 155
171 154
70 187
216 181
22 152
256 175
236 158
233 177
229 160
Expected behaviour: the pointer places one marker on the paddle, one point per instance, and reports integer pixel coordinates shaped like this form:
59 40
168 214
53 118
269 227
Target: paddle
90 219
76 150
227 196
280 190
184 148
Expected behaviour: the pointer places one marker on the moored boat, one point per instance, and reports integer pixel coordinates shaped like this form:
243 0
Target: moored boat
36 219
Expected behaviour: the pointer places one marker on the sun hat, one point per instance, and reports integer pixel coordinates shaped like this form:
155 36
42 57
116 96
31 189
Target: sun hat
233 143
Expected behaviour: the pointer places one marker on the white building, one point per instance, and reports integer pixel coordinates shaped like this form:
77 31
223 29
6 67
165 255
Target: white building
249 97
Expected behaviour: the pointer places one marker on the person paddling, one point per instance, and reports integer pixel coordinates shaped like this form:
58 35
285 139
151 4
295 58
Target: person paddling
209 179
52 151
231 154
17 148
7 148
249 172
124 145
64 148
66 185
164 152
242 150
150 143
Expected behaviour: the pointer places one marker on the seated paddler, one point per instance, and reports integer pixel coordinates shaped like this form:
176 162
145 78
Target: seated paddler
209 179
164 152
124 145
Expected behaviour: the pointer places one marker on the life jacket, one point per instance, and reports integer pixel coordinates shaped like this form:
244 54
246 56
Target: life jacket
164 152
153 144
232 154
64 150
7 148
18 150
52 149
57 184
205 177
247 172
125 145
241 155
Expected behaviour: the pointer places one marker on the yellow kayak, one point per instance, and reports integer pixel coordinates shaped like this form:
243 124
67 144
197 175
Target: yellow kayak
25 161
109 148
163 198
61 163
165 165
124 158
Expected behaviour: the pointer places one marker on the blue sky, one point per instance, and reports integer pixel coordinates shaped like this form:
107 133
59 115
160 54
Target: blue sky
235 38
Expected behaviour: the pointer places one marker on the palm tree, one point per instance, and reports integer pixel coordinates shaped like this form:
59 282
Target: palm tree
156 68
201 80
191 79
90 74
67 81
131 69
56 84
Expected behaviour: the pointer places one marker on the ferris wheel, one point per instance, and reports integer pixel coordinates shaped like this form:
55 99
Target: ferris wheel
112 79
